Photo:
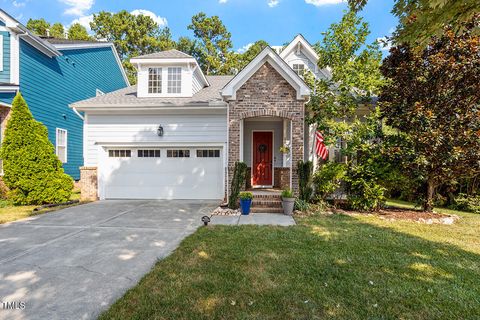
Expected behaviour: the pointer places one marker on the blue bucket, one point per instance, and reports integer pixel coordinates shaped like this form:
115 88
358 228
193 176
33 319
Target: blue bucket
245 205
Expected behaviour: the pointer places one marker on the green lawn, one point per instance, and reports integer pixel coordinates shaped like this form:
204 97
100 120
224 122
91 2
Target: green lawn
9 212
326 267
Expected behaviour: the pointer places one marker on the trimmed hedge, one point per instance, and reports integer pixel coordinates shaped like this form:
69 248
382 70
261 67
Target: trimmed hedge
238 181
32 171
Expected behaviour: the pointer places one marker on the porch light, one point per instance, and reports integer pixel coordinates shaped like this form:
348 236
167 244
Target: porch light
160 131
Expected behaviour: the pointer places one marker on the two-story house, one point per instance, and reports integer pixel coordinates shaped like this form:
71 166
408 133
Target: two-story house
178 133
51 74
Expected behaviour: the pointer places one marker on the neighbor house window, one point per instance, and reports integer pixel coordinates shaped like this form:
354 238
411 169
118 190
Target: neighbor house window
154 80
61 145
299 69
119 153
174 80
208 153
178 153
149 153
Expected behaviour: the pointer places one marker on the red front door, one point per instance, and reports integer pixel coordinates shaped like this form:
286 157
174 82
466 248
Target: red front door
262 166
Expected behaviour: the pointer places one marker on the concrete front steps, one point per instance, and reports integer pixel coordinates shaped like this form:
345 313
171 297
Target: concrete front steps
266 201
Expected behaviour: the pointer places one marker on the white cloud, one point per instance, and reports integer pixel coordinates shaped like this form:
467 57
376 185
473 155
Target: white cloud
319 3
84 21
222 1
77 7
18 4
245 48
162 22
273 3
385 43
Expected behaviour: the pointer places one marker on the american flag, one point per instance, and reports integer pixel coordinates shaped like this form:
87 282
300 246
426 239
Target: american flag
320 147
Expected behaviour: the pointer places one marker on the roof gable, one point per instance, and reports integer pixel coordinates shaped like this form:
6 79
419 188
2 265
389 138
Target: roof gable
270 56
300 44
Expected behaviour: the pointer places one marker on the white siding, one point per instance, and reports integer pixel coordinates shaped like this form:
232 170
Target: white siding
142 128
196 82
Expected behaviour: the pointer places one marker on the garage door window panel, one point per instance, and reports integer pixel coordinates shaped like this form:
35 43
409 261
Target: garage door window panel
203 153
149 153
119 153
176 153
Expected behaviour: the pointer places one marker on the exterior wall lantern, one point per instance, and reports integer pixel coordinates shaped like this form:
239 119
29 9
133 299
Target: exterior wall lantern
160 131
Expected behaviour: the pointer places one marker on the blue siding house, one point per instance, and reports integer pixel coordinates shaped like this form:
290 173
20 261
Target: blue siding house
51 74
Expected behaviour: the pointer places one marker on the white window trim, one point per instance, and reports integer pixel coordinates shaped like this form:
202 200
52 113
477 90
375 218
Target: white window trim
1 52
160 72
57 130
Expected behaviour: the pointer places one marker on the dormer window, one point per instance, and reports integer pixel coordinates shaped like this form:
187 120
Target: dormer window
174 80
154 80
299 69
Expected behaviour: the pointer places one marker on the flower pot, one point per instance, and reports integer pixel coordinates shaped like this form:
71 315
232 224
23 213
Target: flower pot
288 204
245 205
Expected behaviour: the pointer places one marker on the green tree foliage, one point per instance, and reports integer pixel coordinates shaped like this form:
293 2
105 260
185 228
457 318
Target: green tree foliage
420 19
57 30
33 172
305 173
78 32
251 53
214 43
133 35
433 99
38 26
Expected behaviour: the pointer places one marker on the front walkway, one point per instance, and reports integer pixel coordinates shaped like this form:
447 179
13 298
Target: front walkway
74 263
270 219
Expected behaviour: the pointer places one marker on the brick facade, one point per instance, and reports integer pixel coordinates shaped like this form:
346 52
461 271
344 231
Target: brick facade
88 184
266 93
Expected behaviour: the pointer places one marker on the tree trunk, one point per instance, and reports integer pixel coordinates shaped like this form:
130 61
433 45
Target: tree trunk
428 205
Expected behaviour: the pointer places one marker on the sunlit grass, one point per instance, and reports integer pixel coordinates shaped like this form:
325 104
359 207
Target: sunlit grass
326 267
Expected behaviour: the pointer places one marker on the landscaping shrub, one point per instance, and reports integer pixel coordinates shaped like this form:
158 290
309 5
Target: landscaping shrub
467 203
328 178
238 182
3 190
32 171
301 205
363 190
305 172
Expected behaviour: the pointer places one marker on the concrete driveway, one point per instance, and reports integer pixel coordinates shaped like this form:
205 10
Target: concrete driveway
74 263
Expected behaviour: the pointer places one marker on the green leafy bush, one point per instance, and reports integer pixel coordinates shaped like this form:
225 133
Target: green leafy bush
302 205
287 193
246 195
305 172
467 203
238 182
32 171
363 190
328 178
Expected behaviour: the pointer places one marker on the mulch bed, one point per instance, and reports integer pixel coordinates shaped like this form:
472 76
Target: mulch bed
393 214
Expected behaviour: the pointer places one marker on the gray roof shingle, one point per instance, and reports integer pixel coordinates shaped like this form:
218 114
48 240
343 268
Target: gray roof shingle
168 54
128 96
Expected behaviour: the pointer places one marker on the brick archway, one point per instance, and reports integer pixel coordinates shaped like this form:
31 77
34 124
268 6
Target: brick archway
266 94
266 113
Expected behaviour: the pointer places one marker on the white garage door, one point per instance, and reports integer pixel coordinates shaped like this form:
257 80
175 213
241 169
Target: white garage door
163 173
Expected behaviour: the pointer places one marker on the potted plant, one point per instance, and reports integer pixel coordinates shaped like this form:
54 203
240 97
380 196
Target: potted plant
288 202
245 202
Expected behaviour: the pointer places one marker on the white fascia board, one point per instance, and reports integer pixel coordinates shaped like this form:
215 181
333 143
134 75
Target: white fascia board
267 55
169 107
308 49
163 61
8 88
134 144
74 46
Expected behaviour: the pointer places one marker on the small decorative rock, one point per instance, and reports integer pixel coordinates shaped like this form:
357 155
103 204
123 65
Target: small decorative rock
225 212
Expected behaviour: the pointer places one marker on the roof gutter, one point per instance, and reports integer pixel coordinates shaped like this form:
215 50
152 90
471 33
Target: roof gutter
78 113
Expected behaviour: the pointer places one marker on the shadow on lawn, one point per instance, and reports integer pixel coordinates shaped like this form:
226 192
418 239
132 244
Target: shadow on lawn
334 267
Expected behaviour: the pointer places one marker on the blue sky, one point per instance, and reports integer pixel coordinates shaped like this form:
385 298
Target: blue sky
275 21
